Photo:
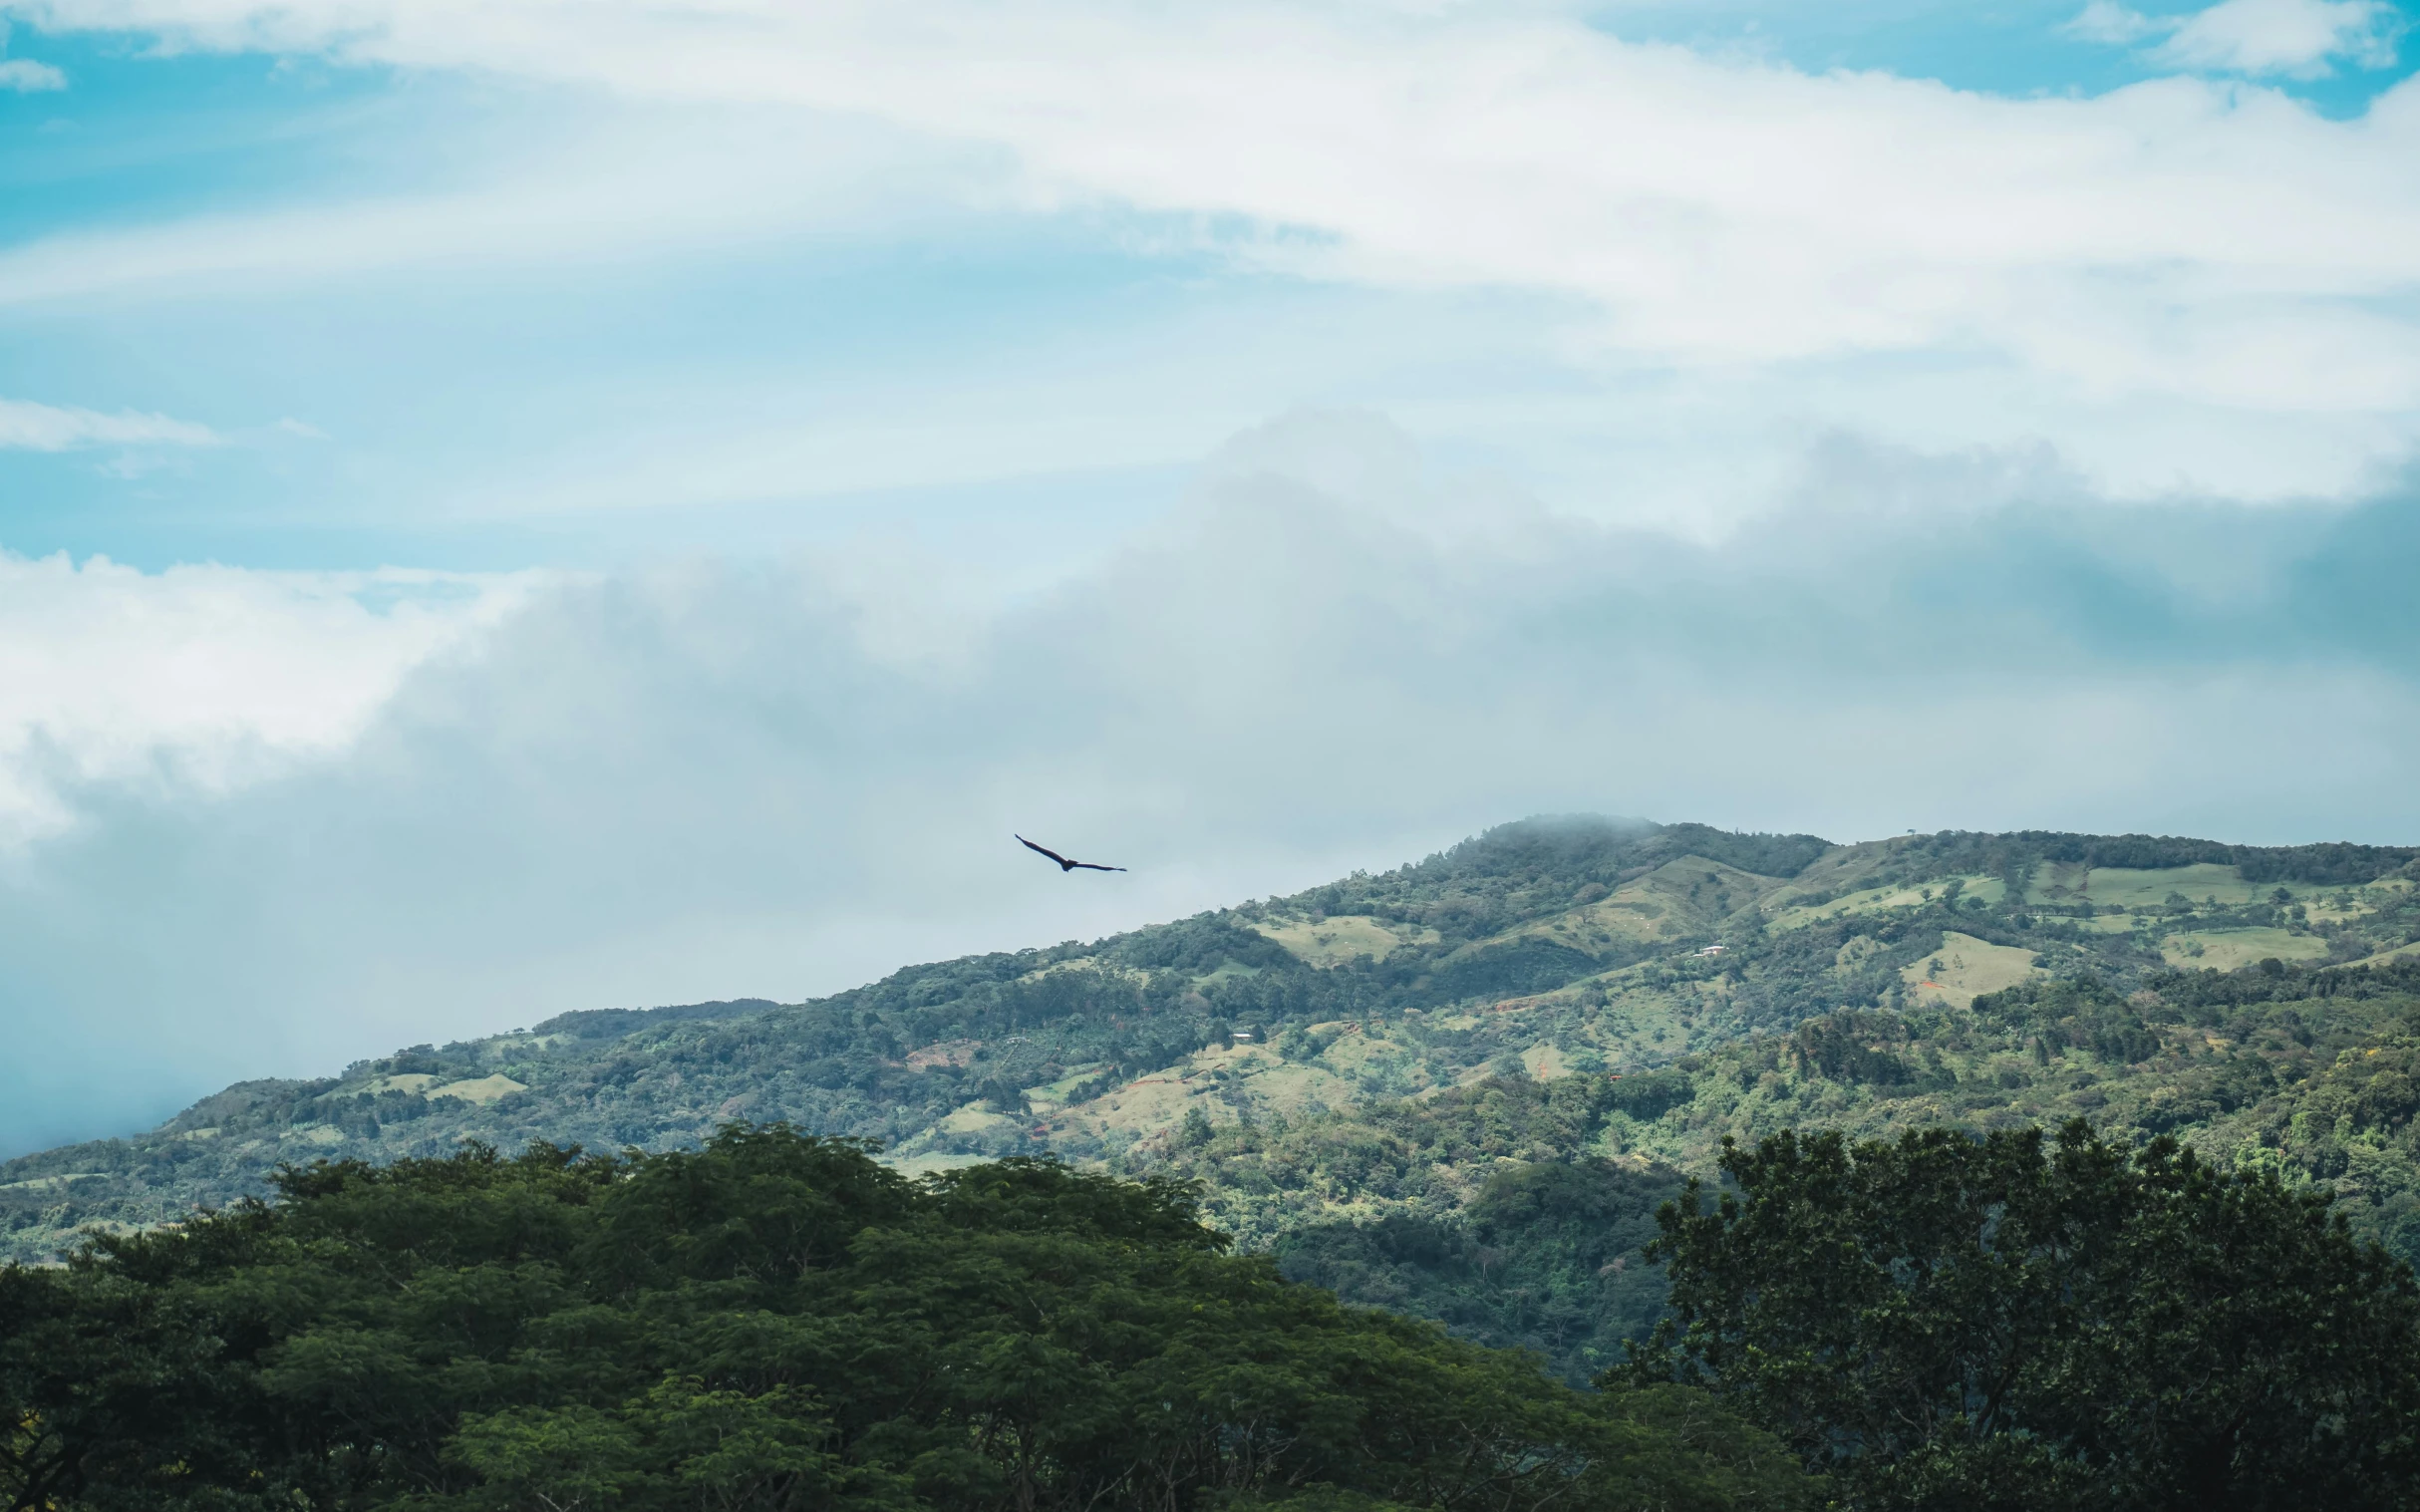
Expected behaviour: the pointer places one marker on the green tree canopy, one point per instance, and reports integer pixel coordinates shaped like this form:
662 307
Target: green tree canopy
1951 1321
778 1321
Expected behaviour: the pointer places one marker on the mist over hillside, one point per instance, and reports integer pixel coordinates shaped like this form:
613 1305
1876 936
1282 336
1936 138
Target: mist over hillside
1355 1072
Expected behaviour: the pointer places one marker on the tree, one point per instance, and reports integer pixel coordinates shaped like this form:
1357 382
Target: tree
1945 1320
776 1323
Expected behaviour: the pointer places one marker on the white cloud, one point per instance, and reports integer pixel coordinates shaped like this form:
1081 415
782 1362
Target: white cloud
1713 213
196 680
710 780
51 428
2295 37
26 77
2188 284
2107 21
2298 38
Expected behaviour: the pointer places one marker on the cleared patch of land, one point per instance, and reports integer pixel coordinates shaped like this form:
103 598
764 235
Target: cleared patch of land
1340 938
2399 953
1053 1094
2226 949
43 1183
1883 899
974 1118
2203 883
1545 1063
479 1089
1966 967
1684 899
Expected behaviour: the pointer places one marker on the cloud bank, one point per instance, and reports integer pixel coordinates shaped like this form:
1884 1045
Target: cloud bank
781 779
2197 258
190 684
2298 37
2295 38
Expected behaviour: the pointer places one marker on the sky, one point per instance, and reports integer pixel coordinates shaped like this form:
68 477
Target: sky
534 504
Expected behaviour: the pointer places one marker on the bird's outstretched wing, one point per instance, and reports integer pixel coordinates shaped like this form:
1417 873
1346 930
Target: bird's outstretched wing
1062 861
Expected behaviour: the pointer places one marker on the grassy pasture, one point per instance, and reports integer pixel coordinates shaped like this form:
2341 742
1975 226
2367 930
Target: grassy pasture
46 1183
1544 1063
2228 949
1340 938
479 1089
1872 900
974 1118
2199 884
1055 1093
1680 900
1969 968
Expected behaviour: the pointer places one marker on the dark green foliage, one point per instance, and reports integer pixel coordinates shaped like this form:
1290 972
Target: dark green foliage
1649 1096
1198 946
2081 1012
1951 1321
776 1321
1478 1208
611 1023
1545 1259
2287 983
2329 864
1518 870
1765 854
1561 845
1508 970
1853 1048
1396 1152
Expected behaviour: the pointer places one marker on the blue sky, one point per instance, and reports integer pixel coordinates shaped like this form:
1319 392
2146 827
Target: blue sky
2020 47
511 507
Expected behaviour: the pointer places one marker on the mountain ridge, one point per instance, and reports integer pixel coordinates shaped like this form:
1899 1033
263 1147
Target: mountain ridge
1551 948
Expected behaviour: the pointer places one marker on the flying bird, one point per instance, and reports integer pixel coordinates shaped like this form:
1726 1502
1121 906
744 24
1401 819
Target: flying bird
1063 863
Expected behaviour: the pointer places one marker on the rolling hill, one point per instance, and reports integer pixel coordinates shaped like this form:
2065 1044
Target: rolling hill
1460 1087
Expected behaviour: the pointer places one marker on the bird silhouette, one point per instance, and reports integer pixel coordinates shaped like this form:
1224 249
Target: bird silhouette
1063 863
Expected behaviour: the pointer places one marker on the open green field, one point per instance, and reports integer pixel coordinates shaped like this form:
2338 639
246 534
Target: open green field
2203 883
2235 949
1963 968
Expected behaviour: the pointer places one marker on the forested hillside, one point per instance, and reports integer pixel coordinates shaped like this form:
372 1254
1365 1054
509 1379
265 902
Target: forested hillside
1463 1086
776 1323
773 1324
1515 1209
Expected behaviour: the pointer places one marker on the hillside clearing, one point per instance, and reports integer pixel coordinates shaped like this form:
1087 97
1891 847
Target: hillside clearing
1966 967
